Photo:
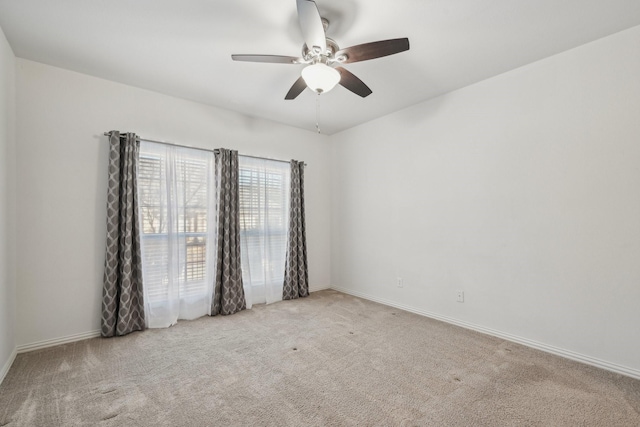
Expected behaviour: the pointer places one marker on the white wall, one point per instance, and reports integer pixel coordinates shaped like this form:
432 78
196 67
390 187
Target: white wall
7 205
522 190
62 171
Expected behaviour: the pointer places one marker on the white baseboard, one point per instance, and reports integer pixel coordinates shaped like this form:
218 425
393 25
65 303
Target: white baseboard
57 341
317 288
7 366
24 348
630 372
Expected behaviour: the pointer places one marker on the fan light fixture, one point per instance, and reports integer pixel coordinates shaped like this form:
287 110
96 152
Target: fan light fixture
320 78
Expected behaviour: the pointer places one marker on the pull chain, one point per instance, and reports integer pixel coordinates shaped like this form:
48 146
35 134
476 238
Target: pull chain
318 113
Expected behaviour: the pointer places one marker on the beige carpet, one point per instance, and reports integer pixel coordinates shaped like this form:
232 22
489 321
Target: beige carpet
327 360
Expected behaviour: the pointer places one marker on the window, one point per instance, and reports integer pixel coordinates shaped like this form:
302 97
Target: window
264 216
176 193
175 190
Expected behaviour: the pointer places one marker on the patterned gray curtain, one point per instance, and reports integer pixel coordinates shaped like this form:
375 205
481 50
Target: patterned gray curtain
228 294
122 298
296 276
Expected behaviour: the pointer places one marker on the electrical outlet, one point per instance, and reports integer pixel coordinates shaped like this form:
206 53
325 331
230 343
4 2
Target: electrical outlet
400 282
460 296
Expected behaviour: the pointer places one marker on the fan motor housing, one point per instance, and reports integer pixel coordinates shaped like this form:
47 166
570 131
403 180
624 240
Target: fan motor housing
332 48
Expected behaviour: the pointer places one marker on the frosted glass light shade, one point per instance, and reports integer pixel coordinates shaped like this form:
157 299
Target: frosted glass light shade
320 78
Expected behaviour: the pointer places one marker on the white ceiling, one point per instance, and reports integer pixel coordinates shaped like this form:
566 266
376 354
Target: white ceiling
183 48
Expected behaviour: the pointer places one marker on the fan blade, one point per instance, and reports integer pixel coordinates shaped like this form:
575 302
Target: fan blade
354 84
364 52
311 25
273 59
296 89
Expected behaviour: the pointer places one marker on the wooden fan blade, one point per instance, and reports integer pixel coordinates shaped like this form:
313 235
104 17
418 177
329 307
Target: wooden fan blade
311 24
296 89
366 51
273 59
354 84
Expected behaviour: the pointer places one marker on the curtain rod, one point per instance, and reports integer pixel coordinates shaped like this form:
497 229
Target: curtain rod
215 150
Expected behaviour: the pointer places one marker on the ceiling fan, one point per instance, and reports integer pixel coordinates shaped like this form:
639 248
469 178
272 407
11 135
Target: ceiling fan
323 57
